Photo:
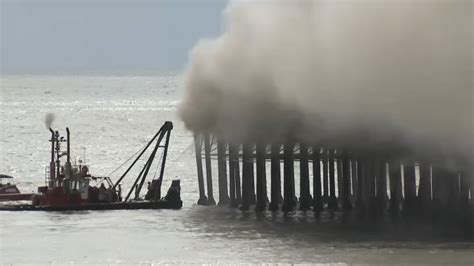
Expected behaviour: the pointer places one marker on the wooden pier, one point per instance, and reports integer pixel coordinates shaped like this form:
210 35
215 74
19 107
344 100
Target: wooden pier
328 179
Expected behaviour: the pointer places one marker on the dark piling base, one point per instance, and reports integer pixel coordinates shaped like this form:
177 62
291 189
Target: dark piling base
260 207
274 206
360 208
244 207
318 204
332 203
202 201
211 202
287 207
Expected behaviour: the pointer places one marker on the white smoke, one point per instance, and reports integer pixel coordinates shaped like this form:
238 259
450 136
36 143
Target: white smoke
49 119
390 76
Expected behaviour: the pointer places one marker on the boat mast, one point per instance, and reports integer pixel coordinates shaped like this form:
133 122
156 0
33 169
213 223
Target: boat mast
58 151
68 167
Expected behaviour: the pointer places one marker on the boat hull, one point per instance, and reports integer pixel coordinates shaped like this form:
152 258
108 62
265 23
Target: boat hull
16 196
162 204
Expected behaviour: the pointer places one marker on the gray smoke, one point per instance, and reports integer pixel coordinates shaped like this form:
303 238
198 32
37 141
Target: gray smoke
390 77
49 119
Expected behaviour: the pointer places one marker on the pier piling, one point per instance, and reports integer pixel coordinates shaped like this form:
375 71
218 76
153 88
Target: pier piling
253 198
305 196
198 147
395 187
238 176
381 186
222 171
354 181
345 172
338 163
247 176
464 189
233 163
275 177
360 199
261 203
424 188
207 150
370 187
317 197
370 183
409 188
332 202
325 160
288 178
453 190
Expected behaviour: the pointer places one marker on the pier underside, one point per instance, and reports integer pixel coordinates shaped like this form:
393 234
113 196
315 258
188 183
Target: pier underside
326 179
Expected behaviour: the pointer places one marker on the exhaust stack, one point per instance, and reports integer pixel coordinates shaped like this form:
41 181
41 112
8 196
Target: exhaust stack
68 146
68 168
52 169
52 144
58 149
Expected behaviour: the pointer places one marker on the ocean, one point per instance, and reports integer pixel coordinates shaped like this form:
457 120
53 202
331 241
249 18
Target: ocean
110 118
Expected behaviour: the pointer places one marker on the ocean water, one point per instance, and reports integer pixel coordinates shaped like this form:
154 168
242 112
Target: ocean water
111 117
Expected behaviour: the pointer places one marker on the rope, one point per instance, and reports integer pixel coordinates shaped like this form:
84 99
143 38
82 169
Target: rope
171 164
131 157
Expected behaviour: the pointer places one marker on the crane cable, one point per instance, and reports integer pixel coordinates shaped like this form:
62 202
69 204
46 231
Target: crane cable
171 164
131 157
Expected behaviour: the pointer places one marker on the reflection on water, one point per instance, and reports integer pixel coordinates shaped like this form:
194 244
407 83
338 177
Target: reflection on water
210 234
309 227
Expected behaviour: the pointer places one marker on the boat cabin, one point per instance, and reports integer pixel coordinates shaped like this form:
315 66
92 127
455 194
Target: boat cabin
69 185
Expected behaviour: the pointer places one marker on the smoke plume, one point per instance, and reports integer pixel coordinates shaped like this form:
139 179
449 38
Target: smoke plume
49 119
390 77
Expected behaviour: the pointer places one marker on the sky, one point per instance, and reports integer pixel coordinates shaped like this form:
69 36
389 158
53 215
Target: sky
103 36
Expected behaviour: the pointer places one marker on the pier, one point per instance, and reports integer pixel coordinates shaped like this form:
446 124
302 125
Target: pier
303 176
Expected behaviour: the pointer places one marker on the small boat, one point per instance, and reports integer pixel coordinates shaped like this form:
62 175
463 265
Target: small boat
68 186
10 192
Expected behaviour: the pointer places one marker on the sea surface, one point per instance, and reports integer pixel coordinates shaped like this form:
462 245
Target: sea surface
111 118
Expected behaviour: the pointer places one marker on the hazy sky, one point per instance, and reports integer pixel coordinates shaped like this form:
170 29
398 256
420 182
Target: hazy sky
103 36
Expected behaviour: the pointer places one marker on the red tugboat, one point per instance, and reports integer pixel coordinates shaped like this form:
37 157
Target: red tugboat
10 192
67 186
